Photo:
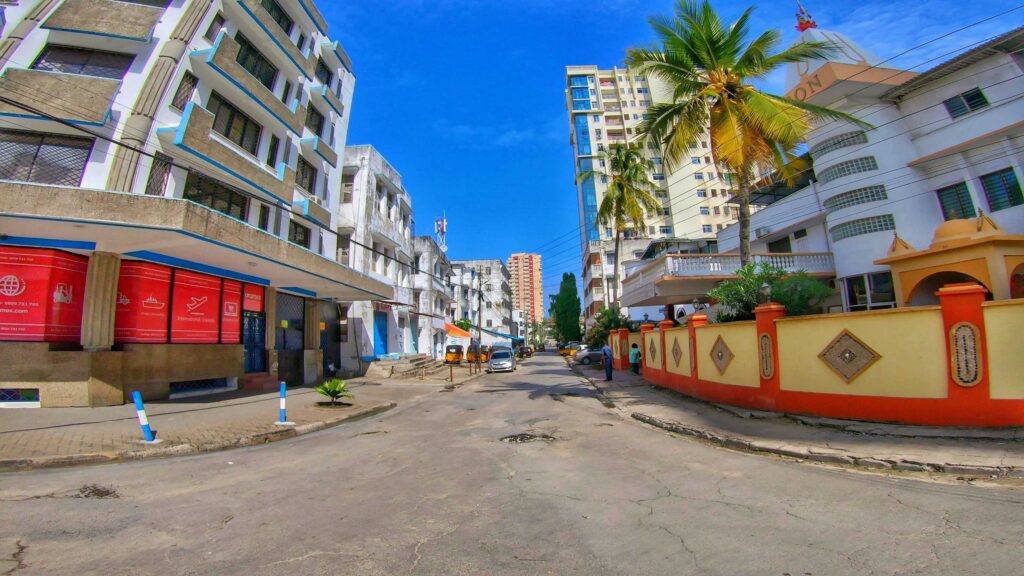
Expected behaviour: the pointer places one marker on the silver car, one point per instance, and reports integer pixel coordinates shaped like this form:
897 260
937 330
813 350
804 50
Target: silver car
502 360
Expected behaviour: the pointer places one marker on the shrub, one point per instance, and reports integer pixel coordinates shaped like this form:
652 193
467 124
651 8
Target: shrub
799 292
334 389
604 322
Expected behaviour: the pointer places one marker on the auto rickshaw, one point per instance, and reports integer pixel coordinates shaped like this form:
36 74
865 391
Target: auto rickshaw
473 354
453 354
569 349
485 353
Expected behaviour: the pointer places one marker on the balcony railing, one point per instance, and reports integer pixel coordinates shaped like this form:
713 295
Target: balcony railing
727 264
389 230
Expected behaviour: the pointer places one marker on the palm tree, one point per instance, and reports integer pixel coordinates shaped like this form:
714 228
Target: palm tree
628 198
707 67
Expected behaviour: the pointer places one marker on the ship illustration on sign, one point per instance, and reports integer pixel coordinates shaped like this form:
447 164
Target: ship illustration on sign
153 304
196 303
123 300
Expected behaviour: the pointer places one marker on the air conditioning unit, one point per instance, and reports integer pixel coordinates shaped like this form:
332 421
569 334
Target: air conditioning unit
762 231
317 199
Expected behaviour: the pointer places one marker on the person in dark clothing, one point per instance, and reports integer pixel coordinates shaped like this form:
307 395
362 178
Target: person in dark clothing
606 357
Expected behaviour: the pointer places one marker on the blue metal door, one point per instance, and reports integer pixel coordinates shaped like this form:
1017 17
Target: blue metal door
380 333
254 339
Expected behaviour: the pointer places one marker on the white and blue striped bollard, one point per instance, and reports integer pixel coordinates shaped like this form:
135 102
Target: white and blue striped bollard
284 413
140 409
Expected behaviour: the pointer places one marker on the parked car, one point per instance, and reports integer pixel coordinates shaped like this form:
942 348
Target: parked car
587 356
502 360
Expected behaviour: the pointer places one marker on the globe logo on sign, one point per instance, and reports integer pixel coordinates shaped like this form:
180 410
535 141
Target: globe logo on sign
11 285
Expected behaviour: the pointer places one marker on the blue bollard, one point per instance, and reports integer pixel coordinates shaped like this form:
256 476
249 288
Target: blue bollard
140 409
284 413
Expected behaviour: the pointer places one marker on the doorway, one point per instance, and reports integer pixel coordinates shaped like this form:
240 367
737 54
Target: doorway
380 333
254 339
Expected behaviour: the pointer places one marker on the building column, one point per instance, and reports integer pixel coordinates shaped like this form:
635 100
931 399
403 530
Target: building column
100 301
663 327
644 329
24 28
966 350
695 321
768 344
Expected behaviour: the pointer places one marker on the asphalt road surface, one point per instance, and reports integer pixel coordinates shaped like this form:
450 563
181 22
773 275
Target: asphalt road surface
430 488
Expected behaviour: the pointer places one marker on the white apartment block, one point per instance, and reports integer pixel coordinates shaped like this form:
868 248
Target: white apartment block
433 296
607 107
465 293
495 316
191 229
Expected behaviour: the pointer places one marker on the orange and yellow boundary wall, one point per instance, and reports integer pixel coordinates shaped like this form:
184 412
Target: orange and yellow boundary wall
957 364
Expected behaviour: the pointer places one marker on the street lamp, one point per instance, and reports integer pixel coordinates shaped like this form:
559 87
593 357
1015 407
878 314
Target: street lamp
766 293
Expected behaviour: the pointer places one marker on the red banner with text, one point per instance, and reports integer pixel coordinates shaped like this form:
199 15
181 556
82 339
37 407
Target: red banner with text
231 313
41 294
253 301
143 298
195 313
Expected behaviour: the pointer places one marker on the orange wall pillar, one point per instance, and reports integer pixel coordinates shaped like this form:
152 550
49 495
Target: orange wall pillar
768 346
966 349
663 327
695 321
644 329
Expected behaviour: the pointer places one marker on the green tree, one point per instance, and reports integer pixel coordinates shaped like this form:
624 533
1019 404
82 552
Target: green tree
538 332
565 310
604 322
628 198
463 323
799 292
708 68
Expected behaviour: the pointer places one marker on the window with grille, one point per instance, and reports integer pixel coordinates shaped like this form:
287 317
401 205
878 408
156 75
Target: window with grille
305 176
955 202
233 124
865 164
255 62
323 73
215 27
158 175
277 14
298 234
301 42
286 91
43 158
264 221
965 103
314 120
348 183
854 197
344 248
83 62
839 141
275 143
183 95
1002 189
862 226
208 192
707 228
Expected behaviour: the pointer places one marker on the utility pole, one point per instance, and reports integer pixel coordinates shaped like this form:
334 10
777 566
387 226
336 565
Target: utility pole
479 322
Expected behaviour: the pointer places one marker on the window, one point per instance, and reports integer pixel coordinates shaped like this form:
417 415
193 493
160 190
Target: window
657 161
286 91
83 62
597 133
275 143
838 141
801 233
666 211
314 120
209 192
694 160
277 14
780 246
264 221
43 158
703 144
186 88
869 291
702 193
665 230
601 163
965 103
705 211
717 211
862 226
714 192
158 174
1002 189
305 176
955 202
658 176
255 63
707 229
650 230
298 234
597 118
698 175
233 124
301 42
323 73
348 182
604 179
847 168
215 26
490 323
854 197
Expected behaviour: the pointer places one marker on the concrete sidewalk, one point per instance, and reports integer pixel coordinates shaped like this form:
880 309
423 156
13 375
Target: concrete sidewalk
33 438
965 451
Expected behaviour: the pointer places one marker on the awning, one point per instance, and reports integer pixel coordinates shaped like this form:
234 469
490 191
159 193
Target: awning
456 332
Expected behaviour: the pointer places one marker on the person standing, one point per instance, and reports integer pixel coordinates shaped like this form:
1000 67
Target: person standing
634 359
606 357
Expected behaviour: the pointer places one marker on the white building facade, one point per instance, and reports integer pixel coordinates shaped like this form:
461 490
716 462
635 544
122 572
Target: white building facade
494 298
432 295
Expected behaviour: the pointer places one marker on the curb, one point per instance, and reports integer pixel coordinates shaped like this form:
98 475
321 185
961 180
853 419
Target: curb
27 464
601 397
825 456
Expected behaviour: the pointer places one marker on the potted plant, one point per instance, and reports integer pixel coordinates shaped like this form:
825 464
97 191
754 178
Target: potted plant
335 389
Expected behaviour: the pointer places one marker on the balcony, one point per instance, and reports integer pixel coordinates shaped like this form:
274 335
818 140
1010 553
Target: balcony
322 95
93 96
404 295
427 282
681 278
226 76
334 50
311 207
105 18
315 147
256 23
389 231
194 143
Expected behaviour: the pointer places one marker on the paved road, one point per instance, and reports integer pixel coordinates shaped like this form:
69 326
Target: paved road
428 488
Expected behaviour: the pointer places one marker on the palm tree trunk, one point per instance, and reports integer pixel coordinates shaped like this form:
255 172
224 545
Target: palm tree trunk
744 201
615 272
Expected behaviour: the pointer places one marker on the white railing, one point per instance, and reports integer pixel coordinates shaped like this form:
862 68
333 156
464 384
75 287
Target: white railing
389 229
727 264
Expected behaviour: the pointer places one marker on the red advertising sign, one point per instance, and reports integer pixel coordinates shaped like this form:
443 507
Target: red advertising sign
143 303
195 312
253 301
41 294
231 313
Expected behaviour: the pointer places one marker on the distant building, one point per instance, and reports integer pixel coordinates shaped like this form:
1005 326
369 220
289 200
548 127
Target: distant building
526 278
495 298
432 295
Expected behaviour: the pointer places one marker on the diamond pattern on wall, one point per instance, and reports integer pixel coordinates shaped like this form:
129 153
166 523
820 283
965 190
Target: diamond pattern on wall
677 350
652 352
721 355
848 356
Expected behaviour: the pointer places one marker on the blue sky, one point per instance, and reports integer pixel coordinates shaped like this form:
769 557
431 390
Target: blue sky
465 97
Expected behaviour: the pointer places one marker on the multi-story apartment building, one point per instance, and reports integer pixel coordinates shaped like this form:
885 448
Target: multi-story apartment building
520 325
928 195
526 277
169 192
495 316
432 295
465 292
606 107
375 227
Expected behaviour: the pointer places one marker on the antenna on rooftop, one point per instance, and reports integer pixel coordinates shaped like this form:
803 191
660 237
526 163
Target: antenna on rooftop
441 231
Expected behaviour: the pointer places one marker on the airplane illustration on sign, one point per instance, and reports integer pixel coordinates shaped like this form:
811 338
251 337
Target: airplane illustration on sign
196 303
